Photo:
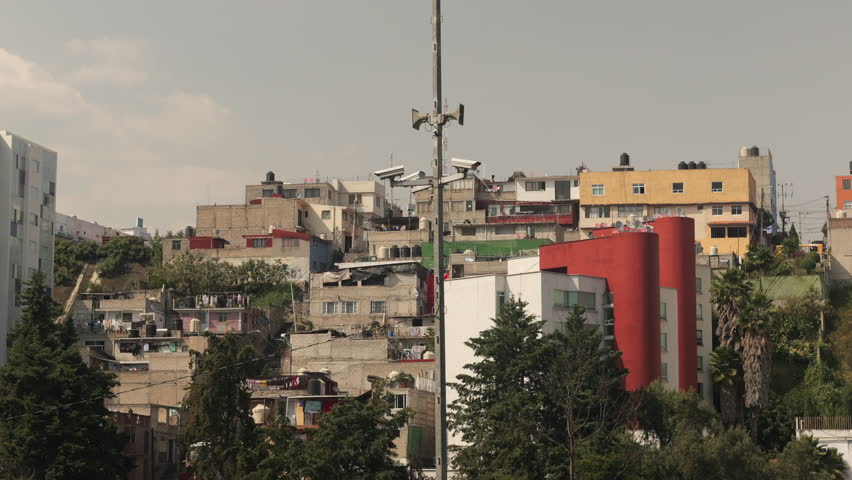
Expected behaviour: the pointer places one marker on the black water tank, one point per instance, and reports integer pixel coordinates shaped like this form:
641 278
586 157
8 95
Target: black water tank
702 165
393 252
134 333
416 251
850 168
178 325
405 251
270 176
692 165
754 151
188 232
624 160
150 329
681 166
279 189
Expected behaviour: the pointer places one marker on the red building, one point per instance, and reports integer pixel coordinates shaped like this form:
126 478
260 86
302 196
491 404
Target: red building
636 263
843 190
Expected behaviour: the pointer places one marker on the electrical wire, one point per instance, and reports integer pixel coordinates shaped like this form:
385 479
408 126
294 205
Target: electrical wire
174 380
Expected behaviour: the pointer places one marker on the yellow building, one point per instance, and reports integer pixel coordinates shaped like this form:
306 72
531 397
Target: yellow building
721 200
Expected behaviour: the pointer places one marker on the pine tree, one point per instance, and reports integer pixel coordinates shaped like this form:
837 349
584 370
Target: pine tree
50 428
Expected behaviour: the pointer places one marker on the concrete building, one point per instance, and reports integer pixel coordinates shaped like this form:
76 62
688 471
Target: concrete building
763 172
843 190
152 441
301 252
840 248
137 230
73 228
721 201
831 432
27 216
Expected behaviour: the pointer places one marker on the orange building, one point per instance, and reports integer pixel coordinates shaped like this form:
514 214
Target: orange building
843 190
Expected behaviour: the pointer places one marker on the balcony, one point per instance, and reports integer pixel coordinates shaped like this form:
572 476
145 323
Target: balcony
560 219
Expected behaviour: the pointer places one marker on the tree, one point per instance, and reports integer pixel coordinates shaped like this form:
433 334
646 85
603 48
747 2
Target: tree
355 441
501 408
726 368
220 436
795 327
790 245
727 293
53 423
69 258
585 382
759 259
755 315
805 459
116 254
662 414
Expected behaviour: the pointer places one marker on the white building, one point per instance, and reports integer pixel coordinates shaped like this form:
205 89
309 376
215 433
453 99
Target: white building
27 215
137 230
831 432
73 228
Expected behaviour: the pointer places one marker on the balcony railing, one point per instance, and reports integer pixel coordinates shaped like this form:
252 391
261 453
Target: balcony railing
566 219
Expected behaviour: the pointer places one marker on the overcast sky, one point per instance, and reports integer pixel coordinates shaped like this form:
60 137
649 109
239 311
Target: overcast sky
157 106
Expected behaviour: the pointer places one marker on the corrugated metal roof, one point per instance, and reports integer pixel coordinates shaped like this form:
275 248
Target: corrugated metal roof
785 287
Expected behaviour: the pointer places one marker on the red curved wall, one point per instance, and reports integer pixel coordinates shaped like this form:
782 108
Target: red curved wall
631 264
677 270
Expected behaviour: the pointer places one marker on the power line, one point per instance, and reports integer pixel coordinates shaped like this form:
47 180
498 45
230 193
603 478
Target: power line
184 377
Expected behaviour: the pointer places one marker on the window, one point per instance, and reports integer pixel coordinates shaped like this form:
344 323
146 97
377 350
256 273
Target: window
355 198
736 209
677 187
716 187
663 312
290 242
223 316
378 307
659 211
847 184
34 219
468 206
501 301
126 316
52 189
638 189
349 307
697 285
717 210
326 214
563 209
175 244
737 232
627 210
664 372
700 389
597 189
567 299
717 232
534 186
345 217
329 308
597 212
664 342
576 183
267 192
700 363
290 193
847 205
399 401
699 337
468 231
312 193
258 242
699 311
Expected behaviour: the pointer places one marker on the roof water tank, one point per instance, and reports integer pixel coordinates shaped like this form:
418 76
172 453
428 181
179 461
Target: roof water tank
405 251
428 355
315 386
702 165
840 214
423 224
150 330
134 333
195 325
744 152
714 250
324 236
469 252
754 151
382 252
416 251
393 252
325 371
681 166
692 165
279 189
624 160
258 414
188 232
270 176
178 324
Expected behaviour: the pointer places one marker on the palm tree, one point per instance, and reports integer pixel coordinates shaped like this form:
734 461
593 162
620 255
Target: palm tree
753 322
727 294
726 367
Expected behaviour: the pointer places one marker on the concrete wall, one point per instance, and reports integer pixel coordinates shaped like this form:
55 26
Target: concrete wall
841 440
704 324
231 222
549 192
840 249
74 228
493 231
669 330
376 239
763 172
32 247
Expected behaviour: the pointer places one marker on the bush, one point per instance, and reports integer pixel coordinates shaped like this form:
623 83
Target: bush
807 264
119 252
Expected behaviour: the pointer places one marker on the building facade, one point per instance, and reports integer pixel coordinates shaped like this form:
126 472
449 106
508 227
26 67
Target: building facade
27 216
721 201
763 172
843 190
76 229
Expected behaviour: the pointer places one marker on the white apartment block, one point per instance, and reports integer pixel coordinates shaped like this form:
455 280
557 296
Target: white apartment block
27 216
76 229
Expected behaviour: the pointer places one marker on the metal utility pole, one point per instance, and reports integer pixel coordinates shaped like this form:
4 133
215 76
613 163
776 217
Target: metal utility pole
438 193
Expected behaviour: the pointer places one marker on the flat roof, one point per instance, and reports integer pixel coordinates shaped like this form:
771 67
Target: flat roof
374 264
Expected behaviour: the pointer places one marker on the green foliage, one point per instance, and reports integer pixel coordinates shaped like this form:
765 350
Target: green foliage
806 459
119 252
794 329
663 414
728 454
807 263
191 274
44 370
822 393
726 366
759 259
69 258
790 245
221 437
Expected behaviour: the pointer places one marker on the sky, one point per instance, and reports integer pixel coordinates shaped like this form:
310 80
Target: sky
155 107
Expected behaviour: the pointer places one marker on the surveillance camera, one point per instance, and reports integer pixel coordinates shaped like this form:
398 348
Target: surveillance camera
463 165
414 176
390 173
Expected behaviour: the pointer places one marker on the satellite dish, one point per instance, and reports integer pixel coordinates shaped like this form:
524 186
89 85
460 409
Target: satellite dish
649 228
591 235
637 224
645 218
619 224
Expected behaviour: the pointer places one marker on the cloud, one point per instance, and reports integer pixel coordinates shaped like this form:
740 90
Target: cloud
110 60
149 154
